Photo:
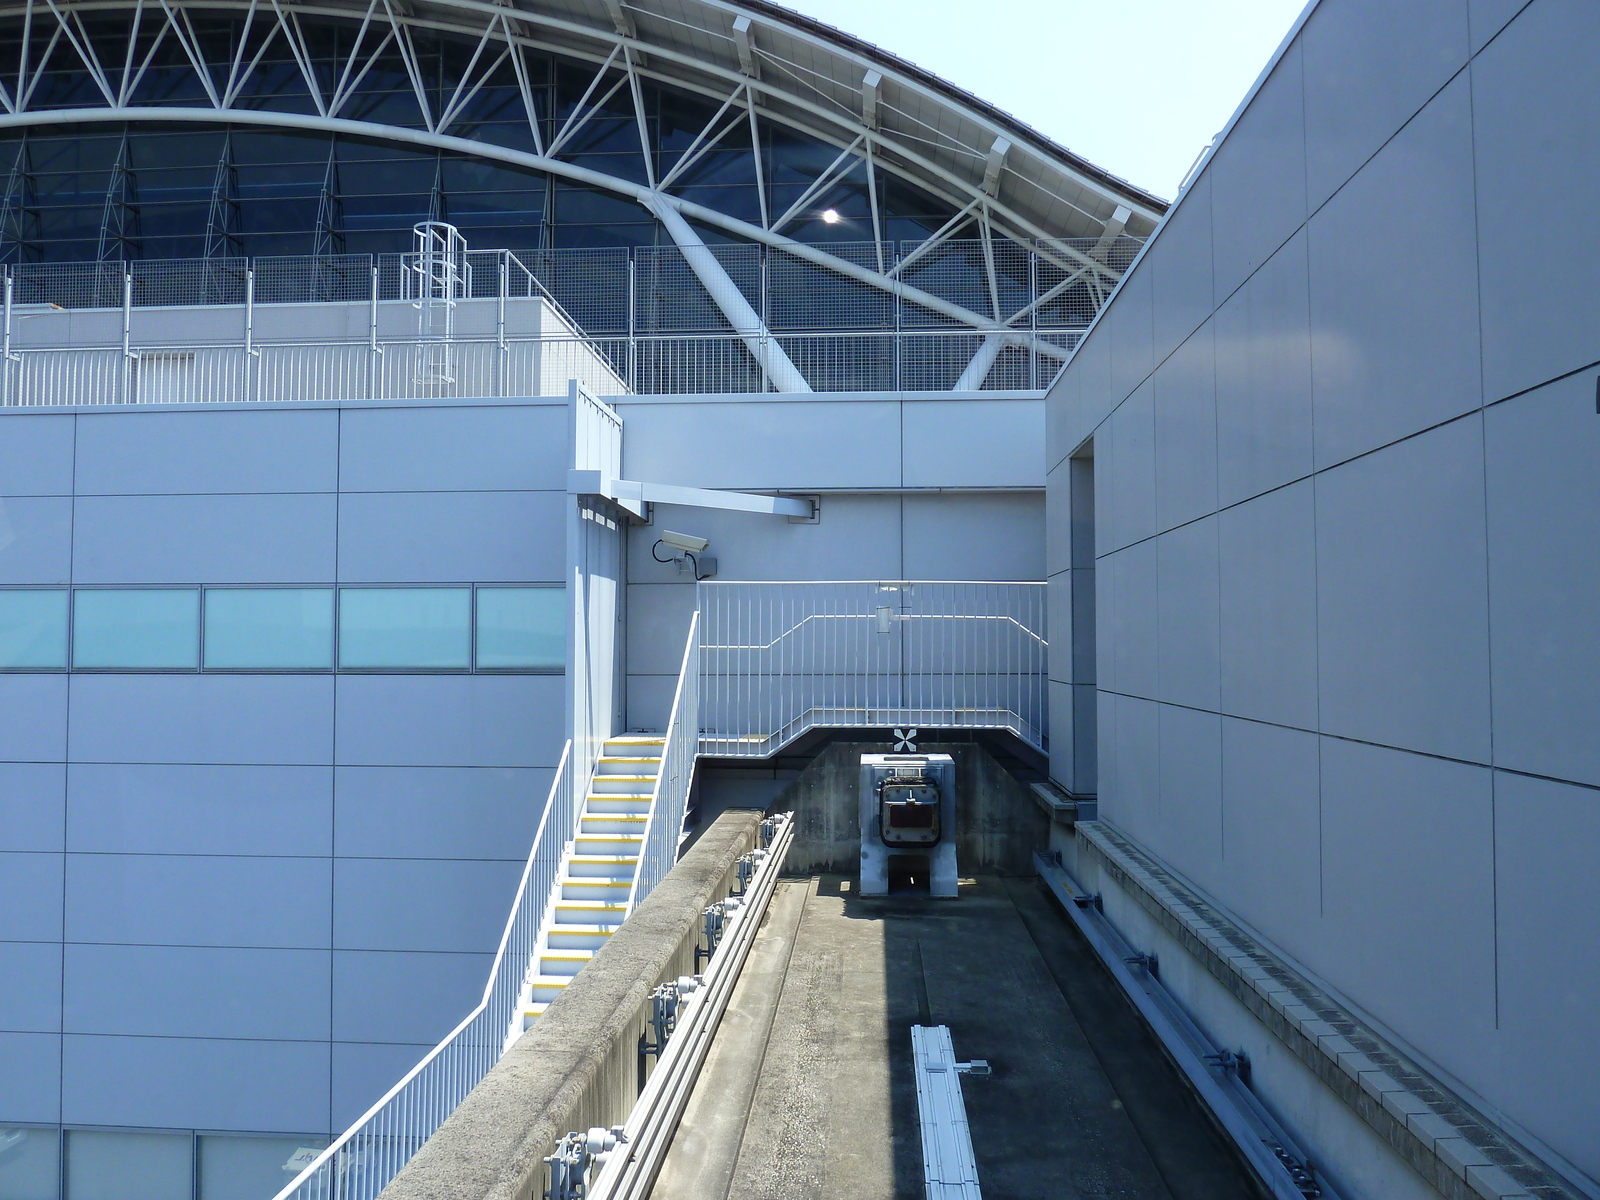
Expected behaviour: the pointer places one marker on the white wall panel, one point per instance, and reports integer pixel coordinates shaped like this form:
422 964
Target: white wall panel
1133 476
35 538
973 443
763 444
1369 65
1190 835
1547 925
1268 607
1129 326
1179 265
1132 620
1131 798
1403 621
1536 105
207 451
1272 833
35 454
1258 191
1408 894
998 536
470 449
1263 369
1184 390
1544 575
204 539
1189 669
1394 304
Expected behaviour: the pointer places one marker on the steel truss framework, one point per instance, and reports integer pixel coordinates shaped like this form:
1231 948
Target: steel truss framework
891 128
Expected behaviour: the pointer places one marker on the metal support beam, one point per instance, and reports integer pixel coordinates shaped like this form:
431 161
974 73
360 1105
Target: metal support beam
982 362
869 99
991 168
746 47
746 322
1112 231
633 495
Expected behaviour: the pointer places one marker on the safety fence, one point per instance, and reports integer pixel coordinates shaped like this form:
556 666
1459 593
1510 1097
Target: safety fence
676 775
418 368
371 1152
780 659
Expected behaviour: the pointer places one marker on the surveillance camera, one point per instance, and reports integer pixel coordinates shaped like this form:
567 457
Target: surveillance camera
684 541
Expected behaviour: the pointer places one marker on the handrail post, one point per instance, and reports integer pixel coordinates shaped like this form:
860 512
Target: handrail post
5 384
127 325
500 326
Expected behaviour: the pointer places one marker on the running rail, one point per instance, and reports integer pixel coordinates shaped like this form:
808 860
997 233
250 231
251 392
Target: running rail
629 1170
1218 1075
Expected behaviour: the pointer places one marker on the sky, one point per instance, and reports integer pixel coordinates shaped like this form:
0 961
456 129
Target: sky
1136 88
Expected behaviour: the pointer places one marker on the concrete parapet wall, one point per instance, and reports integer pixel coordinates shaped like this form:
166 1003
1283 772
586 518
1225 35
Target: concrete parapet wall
578 1066
998 825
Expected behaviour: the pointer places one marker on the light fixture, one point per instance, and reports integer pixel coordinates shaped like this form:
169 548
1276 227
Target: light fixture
831 216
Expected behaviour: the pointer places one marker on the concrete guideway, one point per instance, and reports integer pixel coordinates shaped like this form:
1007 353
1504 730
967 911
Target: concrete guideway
809 1090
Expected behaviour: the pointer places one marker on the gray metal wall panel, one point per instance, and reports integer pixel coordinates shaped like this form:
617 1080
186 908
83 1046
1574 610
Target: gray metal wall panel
215 452
494 448
30 1077
1368 68
30 897
36 453
439 990
224 719
451 537
438 812
30 1001
33 806
198 900
35 728
422 904
35 539
193 1083
450 720
197 991
204 539
186 808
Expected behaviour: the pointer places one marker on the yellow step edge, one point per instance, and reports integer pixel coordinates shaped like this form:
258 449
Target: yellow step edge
567 956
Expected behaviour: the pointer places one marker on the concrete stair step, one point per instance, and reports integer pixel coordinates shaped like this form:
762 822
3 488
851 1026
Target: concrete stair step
561 936
598 805
563 962
625 845
591 910
602 866
612 890
619 764
548 987
628 785
613 823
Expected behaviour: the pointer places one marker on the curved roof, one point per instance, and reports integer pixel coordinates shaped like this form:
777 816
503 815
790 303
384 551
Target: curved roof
754 59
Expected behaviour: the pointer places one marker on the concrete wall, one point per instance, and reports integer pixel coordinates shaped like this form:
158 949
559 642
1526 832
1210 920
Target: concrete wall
912 488
1343 431
998 824
251 902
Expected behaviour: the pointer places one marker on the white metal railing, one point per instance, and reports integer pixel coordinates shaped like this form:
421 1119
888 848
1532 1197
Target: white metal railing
675 775
780 659
371 1152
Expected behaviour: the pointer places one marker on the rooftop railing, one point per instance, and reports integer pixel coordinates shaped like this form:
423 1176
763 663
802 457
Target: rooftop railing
780 659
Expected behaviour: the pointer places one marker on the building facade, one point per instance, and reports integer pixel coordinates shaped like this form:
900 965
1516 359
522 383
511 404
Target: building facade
286 547
1322 498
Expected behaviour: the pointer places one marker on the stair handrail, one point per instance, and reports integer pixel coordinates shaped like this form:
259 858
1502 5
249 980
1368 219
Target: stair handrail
669 798
361 1161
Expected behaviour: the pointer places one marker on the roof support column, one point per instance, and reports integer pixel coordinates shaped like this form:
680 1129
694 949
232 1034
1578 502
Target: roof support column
785 376
978 369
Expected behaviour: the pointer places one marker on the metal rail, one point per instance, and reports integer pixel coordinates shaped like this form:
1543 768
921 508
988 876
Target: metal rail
1218 1075
362 1161
949 1170
630 1170
675 776
780 659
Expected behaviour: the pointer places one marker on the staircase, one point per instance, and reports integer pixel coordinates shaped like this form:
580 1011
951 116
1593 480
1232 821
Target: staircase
597 870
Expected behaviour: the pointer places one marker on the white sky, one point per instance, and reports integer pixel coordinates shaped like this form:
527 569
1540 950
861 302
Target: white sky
1136 88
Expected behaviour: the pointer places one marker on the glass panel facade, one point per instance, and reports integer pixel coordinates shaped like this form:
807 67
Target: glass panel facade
33 633
129 1166
251 1168
399 628
270 629
29 1166
136 629
522 627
